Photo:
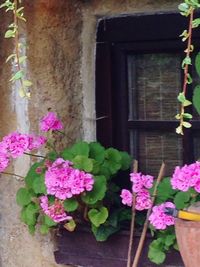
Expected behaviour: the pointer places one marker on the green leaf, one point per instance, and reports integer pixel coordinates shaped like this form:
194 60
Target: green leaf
196 98
48 221
10 34
44 229
18 75
97 152
30 213
31 175
112 160
195 23
183 7
102 232
70 204
67 154
125 160
39 185
98 192
187 124
23 197
70 226
169 240
187 116
187 103
80 148
98 217
181 199
156 255
189 79
179 130
197 63
164 191
83 163
181 97
27 83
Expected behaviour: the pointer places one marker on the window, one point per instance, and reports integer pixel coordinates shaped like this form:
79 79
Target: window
138 76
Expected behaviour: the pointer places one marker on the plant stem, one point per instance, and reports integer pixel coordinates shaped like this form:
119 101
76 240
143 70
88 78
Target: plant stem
33 155
135 169
186 67
145 227
13 174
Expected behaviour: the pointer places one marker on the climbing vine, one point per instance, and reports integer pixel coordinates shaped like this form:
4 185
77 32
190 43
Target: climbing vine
187 9
17 57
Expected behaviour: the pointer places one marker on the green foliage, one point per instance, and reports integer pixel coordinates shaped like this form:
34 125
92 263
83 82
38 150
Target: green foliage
70 204
98 192
158 248
23 197
98 217
196 98
89 157
181 199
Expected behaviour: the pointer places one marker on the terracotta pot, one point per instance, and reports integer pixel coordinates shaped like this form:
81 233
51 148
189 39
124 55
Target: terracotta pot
188 238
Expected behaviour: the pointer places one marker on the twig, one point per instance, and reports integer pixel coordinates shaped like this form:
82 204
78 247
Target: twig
144 231
135 169
33 155
13 174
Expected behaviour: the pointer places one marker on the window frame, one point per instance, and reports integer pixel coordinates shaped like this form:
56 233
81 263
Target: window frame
116 37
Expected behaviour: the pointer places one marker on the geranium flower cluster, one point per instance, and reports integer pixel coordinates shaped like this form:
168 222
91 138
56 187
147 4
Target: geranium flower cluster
55 211
159 219
15 144
64 181
186 177
50 122
140 185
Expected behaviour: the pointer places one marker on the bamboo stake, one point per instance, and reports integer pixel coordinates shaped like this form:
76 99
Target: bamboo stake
135 169
144 231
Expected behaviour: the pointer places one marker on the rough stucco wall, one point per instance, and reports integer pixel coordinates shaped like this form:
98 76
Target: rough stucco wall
61 52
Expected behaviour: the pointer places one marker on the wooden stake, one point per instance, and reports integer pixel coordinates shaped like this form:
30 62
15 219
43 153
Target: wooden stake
135 169
145 227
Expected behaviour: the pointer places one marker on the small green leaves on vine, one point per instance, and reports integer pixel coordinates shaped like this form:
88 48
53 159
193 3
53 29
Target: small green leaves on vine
18 58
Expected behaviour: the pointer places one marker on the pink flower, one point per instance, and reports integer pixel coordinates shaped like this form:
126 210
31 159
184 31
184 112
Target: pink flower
127 197
4 161
186 177
56 211
141 181
16 144
143 200
159 219
35 142
50 122
64 181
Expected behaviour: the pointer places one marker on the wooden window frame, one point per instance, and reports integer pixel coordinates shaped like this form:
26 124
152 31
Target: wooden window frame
147 33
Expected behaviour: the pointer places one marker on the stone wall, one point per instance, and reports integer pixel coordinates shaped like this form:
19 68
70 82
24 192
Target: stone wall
61 63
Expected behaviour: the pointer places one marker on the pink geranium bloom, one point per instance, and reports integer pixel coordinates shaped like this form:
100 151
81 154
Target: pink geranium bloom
55 211
64 181
127 197
159 219
50 122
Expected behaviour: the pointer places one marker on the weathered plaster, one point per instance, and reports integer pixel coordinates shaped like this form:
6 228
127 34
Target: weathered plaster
61 52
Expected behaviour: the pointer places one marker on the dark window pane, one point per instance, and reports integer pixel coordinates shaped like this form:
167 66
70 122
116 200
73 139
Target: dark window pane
154 81
155 147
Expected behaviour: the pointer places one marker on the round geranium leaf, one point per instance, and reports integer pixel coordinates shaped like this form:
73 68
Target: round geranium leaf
98 216
83 163
125 160
23 197
70 204
98 191
97 152
39 185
